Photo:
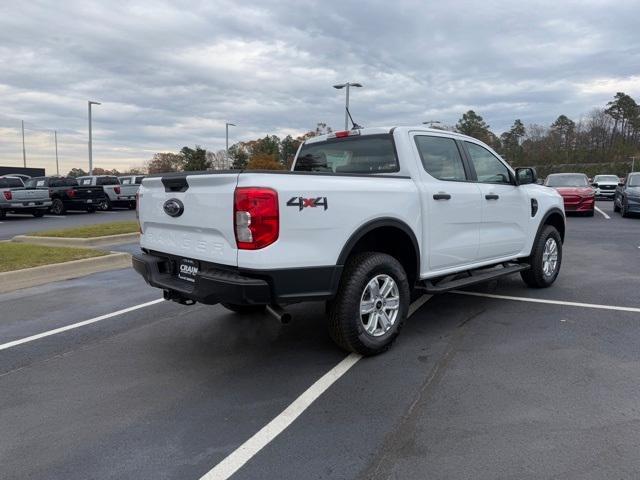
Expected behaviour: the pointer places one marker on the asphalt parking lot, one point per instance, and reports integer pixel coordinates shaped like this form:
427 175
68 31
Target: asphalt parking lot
15 224
496 382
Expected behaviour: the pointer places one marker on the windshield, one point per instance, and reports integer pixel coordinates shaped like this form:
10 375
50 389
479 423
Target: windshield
366 154
569 180
634 181
606 178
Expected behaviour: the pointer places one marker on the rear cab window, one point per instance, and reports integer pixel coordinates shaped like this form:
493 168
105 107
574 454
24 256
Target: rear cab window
366 154
9 182
85 181
107 181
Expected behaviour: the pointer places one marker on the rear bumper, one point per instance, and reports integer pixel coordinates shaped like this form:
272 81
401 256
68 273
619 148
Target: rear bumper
82 203
26 206
220 283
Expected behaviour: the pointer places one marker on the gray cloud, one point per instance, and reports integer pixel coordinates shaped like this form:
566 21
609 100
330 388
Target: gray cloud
170 74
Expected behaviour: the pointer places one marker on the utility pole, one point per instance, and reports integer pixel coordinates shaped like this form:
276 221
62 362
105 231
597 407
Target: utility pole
90 142
346 107
24 151
227 125
55 137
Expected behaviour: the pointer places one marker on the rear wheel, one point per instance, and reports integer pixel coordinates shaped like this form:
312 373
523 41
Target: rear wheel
105 204
2 213
371 305
243 309
545 259
590 213
57 207
132 205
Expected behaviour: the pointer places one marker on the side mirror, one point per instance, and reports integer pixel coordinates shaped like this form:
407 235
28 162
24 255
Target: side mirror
594 185
526 175
621 184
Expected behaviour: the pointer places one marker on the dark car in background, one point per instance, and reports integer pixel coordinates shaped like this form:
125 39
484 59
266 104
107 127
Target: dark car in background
627 196
66 194
578 195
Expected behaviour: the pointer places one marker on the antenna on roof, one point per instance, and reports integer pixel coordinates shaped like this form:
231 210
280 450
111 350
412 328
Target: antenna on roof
354 125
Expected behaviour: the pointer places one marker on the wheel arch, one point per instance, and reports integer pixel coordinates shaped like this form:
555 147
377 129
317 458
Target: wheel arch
555 218
386 235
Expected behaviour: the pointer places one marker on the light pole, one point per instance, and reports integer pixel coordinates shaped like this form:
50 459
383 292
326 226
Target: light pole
226 127
90 144
24 151
55 137
346 107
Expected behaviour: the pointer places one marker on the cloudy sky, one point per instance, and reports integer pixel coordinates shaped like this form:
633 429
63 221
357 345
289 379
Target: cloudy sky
172 73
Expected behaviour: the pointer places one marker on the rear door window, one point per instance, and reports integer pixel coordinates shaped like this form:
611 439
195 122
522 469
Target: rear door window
440 157
367 154
107 181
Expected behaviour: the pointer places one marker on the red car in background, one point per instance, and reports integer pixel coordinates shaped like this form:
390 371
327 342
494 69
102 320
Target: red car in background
578 195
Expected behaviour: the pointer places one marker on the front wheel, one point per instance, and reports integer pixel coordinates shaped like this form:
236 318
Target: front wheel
371 304
616 208
545 259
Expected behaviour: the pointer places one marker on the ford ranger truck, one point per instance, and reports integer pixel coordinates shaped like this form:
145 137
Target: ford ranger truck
363 218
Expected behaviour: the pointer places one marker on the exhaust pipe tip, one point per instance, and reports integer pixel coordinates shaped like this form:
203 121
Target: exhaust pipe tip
280 314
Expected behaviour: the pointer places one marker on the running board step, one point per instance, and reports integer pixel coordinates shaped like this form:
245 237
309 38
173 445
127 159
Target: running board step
472 279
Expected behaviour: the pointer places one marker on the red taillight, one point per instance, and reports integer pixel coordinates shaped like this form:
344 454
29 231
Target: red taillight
256 217
343 133
8 195
117 190
71 193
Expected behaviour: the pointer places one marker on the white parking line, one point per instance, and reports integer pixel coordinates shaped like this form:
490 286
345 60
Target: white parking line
553 302
241 455
602 213
14 343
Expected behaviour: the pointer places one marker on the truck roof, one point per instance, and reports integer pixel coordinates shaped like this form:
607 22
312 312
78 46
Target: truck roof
383 130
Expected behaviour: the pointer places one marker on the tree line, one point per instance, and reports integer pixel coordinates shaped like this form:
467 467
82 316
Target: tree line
603 141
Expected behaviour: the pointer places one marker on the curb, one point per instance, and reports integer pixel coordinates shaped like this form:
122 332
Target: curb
31 277
78 242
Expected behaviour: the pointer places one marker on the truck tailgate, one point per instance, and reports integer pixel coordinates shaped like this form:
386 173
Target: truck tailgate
203 230
29 195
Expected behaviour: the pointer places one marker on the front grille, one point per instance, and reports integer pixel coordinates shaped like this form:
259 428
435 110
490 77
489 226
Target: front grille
607 187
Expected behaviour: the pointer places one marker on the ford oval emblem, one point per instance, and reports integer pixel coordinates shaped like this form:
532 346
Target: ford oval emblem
173 207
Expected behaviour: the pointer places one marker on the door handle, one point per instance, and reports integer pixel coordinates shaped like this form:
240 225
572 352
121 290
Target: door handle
441 196
492 196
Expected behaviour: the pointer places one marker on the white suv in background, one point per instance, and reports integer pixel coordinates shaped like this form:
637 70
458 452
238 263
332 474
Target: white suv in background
605 185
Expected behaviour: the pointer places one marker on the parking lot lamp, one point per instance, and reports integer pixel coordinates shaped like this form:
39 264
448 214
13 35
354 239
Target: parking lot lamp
90 142
346 106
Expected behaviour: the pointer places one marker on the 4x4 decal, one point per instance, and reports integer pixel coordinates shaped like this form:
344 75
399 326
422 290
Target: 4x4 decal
302 202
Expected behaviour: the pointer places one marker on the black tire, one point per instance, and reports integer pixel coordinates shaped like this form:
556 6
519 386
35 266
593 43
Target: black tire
345 320
38 213
616 208
590 214
105 205
243 309
624 211
57 207
132 205
535 276
91 210
3 213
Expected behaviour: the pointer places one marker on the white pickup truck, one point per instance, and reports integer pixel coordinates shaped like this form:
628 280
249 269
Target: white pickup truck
363 218
115 194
